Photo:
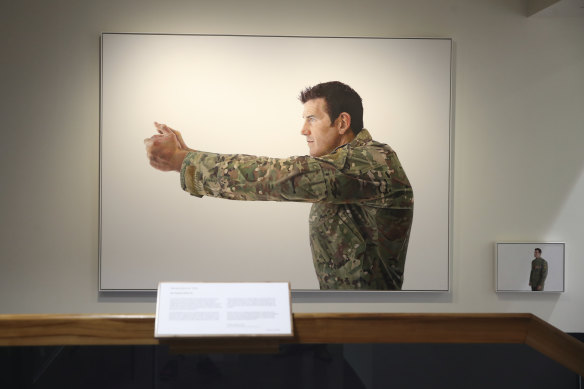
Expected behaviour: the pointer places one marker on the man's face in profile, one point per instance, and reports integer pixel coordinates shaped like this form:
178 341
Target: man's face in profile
321 135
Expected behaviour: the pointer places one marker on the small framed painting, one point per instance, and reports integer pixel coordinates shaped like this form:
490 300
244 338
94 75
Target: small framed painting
529 267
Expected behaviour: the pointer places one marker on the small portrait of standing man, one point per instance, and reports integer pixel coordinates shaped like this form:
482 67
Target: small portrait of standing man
539 270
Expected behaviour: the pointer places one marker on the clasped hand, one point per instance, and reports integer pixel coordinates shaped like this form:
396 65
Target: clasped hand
166 150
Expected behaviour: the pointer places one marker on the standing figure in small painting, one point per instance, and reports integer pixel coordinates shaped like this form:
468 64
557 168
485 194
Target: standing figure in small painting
539 270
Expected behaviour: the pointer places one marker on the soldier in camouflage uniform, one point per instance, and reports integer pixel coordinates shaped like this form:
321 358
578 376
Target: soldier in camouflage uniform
362 209
539 270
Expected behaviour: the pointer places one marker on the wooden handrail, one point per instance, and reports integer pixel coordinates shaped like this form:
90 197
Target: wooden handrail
51 330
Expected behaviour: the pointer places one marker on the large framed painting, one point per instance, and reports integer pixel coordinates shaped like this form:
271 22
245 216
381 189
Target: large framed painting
239 95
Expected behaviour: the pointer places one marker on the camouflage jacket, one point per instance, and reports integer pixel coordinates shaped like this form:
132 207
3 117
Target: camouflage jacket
362 208
539 270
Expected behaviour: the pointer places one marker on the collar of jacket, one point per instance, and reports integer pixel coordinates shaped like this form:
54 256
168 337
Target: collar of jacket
338 156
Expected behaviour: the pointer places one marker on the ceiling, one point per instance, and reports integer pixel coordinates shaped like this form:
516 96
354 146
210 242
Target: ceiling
552 8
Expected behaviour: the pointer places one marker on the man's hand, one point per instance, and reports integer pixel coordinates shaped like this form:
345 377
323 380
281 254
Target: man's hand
166 150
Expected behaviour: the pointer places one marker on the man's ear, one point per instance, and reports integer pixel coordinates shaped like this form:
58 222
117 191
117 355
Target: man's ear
343 122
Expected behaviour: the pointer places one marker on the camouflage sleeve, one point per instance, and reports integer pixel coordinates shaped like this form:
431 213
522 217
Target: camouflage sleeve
245 177
306 179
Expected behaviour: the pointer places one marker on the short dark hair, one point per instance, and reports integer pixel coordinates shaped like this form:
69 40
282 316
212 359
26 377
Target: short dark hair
339 98
538 250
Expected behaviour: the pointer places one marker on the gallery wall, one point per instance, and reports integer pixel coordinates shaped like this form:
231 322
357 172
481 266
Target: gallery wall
517 138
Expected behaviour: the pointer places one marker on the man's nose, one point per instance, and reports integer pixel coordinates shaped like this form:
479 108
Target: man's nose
304 130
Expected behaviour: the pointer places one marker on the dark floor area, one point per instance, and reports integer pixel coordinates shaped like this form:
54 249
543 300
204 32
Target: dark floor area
356 366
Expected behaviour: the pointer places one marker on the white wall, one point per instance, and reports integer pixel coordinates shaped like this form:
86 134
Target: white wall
518 133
